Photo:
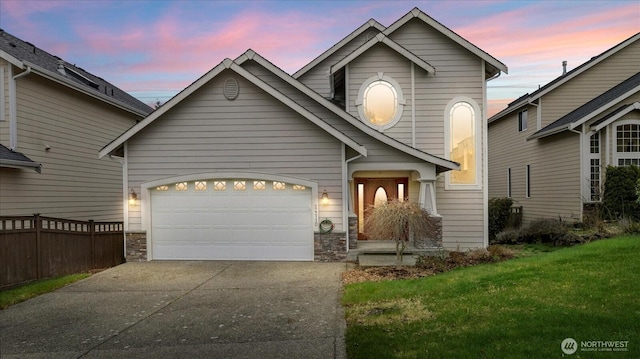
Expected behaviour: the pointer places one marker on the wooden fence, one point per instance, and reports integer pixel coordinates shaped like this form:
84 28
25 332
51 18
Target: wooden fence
36 247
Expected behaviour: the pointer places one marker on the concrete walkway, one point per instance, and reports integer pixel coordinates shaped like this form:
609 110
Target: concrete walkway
185 310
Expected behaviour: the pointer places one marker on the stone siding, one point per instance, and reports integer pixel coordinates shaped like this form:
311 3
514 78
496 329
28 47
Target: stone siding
330 247
136 246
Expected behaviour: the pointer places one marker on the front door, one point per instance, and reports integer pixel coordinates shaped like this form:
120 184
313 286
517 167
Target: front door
369 192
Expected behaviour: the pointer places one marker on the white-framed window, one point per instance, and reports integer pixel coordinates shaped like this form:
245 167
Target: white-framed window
380 102
627 151
462 143
522 120
594 167
527 180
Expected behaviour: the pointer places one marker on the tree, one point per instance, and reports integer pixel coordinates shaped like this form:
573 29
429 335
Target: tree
400 221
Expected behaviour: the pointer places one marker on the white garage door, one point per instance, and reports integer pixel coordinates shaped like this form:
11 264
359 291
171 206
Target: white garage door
237 219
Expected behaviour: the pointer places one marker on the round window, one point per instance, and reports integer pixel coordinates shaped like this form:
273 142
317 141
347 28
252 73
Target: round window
380 102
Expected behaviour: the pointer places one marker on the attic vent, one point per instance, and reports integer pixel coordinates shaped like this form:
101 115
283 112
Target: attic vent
231 89
370 35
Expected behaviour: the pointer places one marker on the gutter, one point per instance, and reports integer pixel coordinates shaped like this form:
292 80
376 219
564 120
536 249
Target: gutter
21 164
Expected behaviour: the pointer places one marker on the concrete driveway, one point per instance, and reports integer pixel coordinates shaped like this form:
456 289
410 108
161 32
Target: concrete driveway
181 309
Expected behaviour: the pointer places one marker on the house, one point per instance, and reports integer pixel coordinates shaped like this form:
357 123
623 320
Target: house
548 149
249 162
54 118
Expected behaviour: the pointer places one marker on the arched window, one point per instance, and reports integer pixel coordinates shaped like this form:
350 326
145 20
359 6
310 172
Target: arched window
463 142
380 102
380 197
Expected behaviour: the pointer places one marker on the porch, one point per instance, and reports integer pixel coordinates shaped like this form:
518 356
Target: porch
371 253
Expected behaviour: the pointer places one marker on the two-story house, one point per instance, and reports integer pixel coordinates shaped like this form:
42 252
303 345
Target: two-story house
54 118
249 162
548 149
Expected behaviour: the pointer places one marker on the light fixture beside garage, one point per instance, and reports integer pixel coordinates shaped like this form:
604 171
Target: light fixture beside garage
325 198
133 197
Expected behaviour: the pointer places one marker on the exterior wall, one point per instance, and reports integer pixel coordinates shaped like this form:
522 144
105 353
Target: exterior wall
255 132
555 170
74 183
317 78
458 73
593 82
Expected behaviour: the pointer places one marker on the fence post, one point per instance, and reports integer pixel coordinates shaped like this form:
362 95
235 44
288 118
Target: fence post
37 224
92 232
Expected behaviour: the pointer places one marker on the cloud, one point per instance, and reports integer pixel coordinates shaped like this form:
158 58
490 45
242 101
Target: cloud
178 48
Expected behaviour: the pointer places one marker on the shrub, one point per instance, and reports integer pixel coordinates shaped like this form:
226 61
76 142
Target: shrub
499 211
500 252
629 226
568 239
508 236
399 220
620 192
544 230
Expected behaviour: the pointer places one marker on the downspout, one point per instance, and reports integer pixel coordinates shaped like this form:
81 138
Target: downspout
125 205
581 164
13 113
346 200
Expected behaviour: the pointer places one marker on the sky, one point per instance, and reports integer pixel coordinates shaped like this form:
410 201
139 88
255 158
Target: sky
154 49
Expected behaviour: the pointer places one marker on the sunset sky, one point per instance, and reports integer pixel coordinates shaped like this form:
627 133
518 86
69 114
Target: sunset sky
153 49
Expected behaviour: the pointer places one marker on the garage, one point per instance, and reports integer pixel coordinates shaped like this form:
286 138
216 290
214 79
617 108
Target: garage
231 219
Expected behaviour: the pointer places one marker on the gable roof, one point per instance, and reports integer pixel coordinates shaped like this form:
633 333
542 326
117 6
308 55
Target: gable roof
417 13
495 65
13 159
441 163
371 24
381 38
558 81
26 56
229 64
592 108
609 118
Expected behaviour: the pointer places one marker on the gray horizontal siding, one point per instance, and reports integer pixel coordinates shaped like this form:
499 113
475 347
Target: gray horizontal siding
254 133
317 78
74 183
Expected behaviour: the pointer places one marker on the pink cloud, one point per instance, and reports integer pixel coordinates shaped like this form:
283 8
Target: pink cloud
172 46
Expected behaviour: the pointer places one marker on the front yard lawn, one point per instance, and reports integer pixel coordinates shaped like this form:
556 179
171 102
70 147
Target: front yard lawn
522 308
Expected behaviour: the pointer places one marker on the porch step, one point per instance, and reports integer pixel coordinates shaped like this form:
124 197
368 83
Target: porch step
386 260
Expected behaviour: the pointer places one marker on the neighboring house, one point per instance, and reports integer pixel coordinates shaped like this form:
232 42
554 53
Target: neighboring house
54 118
548 150
249 162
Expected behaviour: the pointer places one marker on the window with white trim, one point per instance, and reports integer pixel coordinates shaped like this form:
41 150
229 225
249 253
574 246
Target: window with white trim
628 143
463 143
380 102
522 120
594 167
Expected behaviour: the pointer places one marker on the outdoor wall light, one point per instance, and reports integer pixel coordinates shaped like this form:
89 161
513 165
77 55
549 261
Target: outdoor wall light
133 197
325 198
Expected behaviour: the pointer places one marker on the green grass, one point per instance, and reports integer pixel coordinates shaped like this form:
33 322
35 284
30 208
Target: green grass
12 296
522 308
